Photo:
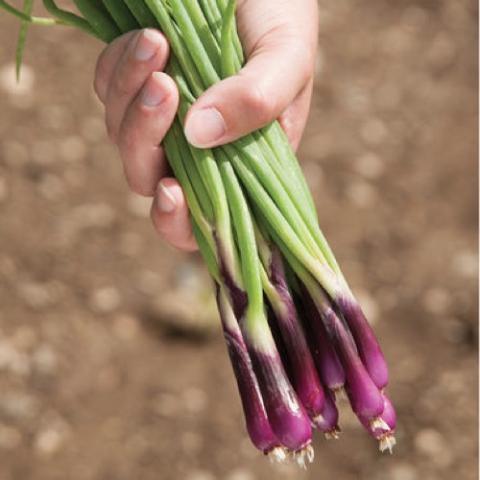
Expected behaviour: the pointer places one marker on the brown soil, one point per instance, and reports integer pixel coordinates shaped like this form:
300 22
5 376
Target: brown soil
99 376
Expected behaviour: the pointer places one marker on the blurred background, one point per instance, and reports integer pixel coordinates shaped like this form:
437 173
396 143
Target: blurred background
112 364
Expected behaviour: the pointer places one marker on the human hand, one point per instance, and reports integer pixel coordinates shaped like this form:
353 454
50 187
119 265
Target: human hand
279 39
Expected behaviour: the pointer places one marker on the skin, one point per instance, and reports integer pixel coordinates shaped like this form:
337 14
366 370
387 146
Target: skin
280 40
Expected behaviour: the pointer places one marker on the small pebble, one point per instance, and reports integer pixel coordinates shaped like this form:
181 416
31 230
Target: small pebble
105 300
49 441
374 131
436 301
38 296
465 263
9 83
44 360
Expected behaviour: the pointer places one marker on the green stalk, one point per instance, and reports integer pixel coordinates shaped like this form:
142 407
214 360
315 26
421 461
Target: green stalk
121 15
289 181
98 18
184 58
142 13
279 226
230 65
208 254
69 18
31 19
279 144
212 14
194 44
252 157
22 37
222 6
247 246
177 155
204 33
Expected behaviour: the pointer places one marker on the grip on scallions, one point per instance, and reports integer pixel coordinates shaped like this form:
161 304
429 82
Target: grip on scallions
294 331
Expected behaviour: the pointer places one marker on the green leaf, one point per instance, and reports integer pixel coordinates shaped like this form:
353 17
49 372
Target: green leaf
22 37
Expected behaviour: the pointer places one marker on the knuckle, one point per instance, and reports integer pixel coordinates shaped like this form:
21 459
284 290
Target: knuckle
304 60
137 186
121 86
259 103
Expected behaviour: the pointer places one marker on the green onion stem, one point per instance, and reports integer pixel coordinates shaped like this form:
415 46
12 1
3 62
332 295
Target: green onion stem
228 59
181 52
244 230
205 35
121 14
142 13
98 18
194 44
24 17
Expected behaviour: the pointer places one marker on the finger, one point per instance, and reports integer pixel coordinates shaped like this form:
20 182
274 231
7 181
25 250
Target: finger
146 52
262 90
106 64
294 119
146 122
170 215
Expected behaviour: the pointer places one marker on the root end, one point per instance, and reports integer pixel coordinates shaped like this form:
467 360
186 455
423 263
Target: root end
304 456
387 442
277 455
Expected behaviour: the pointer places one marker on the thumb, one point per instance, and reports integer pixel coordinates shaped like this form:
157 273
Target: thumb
275 74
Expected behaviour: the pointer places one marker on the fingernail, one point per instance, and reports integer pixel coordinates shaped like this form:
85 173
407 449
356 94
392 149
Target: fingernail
153 95
147 45
205 127
165 200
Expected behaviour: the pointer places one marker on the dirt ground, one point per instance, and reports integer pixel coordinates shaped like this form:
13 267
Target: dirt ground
112 366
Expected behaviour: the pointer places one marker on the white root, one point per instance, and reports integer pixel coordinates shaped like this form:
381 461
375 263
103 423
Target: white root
387 442
277 455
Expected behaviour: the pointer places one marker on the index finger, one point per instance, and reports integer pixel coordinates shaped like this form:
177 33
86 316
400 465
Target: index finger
107 61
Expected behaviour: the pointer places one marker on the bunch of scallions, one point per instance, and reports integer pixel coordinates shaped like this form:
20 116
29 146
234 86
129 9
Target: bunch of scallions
295 333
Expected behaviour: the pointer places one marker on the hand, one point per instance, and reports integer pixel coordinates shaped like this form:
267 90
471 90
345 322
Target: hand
279 38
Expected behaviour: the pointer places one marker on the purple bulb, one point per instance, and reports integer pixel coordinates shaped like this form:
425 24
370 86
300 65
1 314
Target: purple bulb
296 352
327 422
326 359
383 429
367 344
365 397
257 423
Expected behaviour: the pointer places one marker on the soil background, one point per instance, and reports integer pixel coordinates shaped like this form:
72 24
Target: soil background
112 365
